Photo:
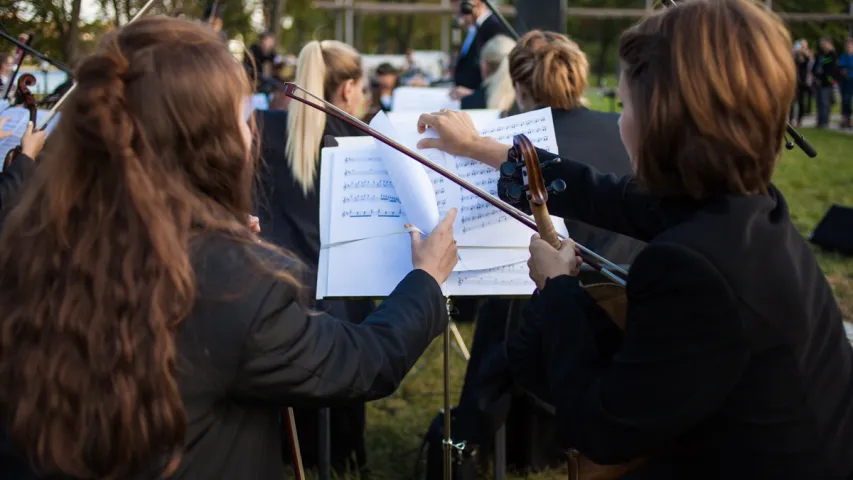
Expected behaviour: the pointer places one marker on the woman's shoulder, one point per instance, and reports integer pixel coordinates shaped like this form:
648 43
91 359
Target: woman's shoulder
231 270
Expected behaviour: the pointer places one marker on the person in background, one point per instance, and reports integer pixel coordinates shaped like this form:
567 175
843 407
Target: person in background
803 59
385 80
825 70
845 80
497 91
213 16
6 64
412 75
289 211
261 60
482 26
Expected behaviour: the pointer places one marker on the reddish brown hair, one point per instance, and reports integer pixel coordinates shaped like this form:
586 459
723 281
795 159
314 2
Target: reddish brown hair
710 84
95 270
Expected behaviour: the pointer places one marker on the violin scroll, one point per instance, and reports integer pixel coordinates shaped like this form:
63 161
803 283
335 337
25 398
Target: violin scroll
537 192
24 83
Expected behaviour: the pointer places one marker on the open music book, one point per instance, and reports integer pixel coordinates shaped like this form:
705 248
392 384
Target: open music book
369 191
16 125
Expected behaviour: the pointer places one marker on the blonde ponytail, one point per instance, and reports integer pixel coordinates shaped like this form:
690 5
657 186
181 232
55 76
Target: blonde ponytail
322 67
500 94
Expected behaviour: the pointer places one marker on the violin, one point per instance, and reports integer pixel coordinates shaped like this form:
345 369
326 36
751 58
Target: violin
610 296
24 83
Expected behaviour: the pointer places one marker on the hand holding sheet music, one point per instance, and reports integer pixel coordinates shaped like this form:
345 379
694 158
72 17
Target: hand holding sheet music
363 214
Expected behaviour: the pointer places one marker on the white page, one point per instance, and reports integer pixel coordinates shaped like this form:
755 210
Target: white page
368 268
413 185
406 122
356 142
422 100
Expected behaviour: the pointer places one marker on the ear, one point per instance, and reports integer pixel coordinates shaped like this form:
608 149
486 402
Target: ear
347 90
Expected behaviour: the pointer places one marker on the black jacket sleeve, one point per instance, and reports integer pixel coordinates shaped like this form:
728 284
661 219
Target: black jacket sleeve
12 182
682 353
605 201
300 359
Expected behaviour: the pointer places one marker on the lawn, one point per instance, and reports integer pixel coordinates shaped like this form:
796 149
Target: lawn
396 425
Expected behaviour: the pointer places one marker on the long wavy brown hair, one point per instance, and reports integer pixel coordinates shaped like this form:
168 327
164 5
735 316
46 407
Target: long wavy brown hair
95 269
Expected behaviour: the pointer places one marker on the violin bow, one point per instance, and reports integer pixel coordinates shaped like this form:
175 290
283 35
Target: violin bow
799 139
53 111
292 90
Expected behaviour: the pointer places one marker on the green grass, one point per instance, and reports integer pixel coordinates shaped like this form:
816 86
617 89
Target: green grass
396 425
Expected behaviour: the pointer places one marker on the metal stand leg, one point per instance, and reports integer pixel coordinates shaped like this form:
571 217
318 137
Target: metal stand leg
500 453
448 442
325 444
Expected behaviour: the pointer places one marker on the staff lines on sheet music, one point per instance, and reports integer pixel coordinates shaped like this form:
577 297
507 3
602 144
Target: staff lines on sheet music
371 197
363 160
507 274
368 184
367 172
373 212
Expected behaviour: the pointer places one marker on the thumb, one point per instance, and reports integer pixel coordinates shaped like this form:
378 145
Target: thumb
425 143
416 236
29 128
449 219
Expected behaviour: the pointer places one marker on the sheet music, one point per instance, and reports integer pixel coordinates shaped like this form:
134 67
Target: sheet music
414 187
422 100
406 122
18 117
363 202
364 250
511 279
481 224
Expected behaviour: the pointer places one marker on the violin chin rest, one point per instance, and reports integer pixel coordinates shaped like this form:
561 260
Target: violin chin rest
612 298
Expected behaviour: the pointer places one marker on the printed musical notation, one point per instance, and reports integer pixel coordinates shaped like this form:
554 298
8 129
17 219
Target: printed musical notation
363 160
507 275
373 213
368 184
368 197
364 172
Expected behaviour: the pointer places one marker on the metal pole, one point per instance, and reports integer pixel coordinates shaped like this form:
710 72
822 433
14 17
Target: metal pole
445 28
339 23
448 442
349 27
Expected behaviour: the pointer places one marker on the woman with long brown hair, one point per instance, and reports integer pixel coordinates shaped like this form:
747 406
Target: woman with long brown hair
734 361
145 329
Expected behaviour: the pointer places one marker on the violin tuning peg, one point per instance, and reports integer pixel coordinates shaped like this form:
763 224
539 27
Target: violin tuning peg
515 192
557 186
549 163
508 169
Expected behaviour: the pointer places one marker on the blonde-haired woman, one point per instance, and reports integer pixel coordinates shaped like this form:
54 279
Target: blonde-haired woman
289 205
496 91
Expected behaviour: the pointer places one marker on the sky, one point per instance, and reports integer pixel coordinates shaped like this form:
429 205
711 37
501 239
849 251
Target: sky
89 9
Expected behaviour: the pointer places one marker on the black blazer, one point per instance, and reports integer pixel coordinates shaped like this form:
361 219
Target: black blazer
734 363
248 348
12 182
467 71
593 138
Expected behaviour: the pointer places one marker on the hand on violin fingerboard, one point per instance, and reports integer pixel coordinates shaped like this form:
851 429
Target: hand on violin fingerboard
32 142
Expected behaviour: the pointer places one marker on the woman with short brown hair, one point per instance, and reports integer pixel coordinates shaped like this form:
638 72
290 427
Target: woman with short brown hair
734 362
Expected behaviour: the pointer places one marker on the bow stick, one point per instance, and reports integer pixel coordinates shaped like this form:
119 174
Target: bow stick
35 53
607 268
